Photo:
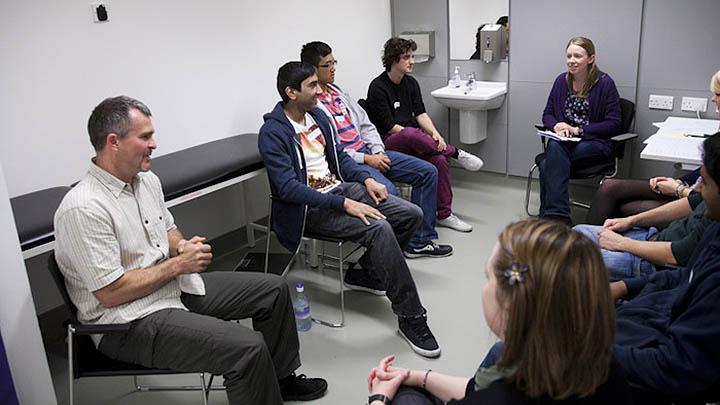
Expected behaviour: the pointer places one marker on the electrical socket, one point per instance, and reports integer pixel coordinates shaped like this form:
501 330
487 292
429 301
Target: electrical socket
694 104
660 102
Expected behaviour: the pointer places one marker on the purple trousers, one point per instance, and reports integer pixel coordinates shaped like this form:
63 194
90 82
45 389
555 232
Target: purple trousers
415 142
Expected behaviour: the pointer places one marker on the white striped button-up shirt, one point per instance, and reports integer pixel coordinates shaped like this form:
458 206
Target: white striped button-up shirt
105 227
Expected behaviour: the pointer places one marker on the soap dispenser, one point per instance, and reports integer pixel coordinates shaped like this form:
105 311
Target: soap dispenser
455 79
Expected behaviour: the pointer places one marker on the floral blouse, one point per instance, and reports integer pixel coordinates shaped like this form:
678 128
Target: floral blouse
577 110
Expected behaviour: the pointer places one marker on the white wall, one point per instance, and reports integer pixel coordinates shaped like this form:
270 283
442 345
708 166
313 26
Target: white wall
205 68
18 320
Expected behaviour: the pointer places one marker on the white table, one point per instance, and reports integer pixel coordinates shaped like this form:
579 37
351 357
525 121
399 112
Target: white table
671 142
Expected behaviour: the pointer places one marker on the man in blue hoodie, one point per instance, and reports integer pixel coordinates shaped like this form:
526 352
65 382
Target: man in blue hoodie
668 332
319 188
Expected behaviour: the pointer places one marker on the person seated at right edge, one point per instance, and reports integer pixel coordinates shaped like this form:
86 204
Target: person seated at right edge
633 245
583 103
320 189
667 330
397 110
616 198
362 142
547 298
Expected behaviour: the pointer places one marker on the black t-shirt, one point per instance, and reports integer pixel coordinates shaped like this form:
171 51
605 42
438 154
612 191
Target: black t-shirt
684 234
391 103
614 391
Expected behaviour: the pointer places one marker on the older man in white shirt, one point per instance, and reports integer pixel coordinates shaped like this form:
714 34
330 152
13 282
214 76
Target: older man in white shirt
125 261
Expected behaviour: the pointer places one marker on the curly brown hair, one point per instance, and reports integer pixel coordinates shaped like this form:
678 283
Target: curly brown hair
394 48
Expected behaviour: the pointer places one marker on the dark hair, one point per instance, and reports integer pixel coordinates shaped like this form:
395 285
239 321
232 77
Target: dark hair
711 156
478 38
502 20
312 52
395 48
292 75
112 115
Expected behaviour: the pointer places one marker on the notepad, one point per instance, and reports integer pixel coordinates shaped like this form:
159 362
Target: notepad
553 135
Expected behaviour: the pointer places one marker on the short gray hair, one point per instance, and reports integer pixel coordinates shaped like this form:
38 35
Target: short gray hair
112 115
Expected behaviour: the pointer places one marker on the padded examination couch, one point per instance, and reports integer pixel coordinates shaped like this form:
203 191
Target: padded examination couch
185 174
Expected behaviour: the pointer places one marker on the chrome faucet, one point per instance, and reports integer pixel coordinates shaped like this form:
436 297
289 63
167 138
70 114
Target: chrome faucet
470 84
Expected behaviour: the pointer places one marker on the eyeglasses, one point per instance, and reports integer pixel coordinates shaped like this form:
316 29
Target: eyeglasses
329 64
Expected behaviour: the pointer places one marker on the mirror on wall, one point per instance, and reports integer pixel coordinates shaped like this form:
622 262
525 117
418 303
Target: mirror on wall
465 17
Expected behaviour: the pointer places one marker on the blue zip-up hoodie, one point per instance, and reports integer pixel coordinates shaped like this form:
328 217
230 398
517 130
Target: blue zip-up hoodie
668 335
287 172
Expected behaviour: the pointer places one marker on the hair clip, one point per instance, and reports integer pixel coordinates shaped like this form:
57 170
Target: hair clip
515 273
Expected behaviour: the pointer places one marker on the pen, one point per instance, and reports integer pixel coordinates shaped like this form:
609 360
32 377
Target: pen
697 135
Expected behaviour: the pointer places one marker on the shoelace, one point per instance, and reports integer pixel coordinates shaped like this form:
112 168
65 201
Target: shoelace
419 328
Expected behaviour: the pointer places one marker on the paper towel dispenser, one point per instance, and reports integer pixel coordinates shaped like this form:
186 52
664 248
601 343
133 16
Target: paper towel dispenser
425 41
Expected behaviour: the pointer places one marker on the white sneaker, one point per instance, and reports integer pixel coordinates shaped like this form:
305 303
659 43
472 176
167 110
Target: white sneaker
469 161
453 222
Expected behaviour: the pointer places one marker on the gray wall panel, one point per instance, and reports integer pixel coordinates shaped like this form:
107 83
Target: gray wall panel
540 33
677 50
526 103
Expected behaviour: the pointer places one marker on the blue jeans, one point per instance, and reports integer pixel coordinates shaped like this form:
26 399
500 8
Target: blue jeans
422 176
562 158
622 265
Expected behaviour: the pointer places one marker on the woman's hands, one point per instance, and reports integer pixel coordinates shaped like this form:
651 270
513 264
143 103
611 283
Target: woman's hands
664 185
565 130
385 379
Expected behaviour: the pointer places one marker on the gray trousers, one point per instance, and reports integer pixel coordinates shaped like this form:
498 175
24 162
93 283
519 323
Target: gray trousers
384 241
202 340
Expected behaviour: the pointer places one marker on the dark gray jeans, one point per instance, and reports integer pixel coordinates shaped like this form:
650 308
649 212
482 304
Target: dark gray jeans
203 340
384 241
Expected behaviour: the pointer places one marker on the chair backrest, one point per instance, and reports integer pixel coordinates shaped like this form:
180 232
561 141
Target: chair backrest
627 111
60 283
364 104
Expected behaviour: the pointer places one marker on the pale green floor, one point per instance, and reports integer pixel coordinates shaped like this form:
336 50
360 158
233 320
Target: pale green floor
449 288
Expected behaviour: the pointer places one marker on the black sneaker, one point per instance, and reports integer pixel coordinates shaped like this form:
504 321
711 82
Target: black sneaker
430 249
360 280
417 333
300 388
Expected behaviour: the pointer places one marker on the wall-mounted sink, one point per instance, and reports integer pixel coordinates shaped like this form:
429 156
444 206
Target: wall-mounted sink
472 105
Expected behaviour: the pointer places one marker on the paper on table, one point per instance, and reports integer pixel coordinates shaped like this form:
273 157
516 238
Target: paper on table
553 135
689 125
684 149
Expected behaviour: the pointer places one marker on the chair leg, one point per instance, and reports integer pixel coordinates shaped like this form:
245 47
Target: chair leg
205 391
202 387
71 379
268 235
527 191
342 290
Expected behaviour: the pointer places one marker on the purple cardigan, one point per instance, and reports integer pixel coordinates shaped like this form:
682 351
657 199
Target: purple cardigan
605 114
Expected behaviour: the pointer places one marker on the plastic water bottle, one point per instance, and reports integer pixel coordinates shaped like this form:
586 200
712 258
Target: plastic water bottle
302 310
455 79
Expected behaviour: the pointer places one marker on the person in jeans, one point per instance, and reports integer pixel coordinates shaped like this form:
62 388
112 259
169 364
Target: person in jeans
125 261
397 110
320 189
583 102
361 141
632 245
547 297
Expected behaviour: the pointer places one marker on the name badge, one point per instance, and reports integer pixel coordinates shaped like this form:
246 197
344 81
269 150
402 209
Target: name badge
340 118
396 105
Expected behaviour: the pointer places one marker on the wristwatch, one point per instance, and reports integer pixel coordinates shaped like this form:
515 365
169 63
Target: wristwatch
379 397
581 132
